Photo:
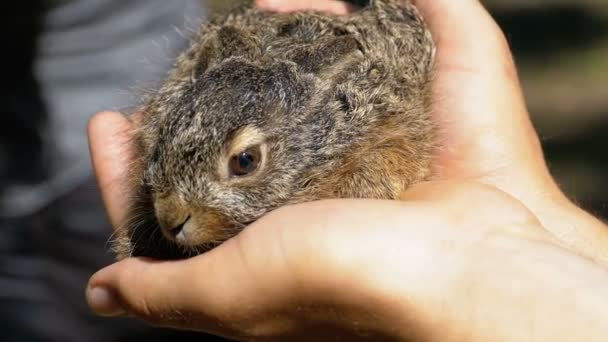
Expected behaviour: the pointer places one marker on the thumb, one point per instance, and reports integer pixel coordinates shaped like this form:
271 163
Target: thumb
219 292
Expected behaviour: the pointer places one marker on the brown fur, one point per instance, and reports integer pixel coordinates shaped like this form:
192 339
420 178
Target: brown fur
338 106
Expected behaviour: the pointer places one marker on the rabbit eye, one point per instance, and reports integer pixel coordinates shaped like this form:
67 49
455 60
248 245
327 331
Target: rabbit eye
245 163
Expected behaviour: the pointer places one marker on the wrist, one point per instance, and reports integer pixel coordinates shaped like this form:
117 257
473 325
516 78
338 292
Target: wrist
508 290
576 228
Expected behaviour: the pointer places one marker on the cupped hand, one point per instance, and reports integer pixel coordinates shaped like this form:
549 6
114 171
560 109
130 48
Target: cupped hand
476 255
454 261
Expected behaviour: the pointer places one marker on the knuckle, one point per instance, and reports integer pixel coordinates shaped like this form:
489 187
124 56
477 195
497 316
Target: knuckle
142 309
136 294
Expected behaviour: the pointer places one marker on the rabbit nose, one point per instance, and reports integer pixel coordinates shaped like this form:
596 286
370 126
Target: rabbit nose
171 213
171 223
176 230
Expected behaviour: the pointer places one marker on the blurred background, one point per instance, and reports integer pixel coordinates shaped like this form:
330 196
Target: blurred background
67 59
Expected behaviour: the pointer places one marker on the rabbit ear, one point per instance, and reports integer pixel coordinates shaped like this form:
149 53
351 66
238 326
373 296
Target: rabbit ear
226 42
231 41
203 60
325 53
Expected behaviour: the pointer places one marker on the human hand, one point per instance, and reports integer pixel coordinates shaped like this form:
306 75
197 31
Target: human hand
487 133
347 259
453 262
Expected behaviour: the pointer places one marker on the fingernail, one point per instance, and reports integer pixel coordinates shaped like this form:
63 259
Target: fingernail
104 302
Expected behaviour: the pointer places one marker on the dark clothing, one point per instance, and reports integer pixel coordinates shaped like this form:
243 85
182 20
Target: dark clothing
63 61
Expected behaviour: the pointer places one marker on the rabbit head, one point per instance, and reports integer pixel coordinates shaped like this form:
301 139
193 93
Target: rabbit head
267 110
233 135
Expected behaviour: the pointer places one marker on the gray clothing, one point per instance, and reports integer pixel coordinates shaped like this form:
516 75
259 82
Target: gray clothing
66 60
92 55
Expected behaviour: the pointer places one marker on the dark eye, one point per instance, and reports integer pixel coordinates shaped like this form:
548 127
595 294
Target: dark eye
245 163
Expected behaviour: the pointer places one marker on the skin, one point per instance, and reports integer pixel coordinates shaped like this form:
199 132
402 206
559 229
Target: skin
492 250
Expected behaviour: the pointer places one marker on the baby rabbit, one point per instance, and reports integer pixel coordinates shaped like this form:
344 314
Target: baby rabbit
269 109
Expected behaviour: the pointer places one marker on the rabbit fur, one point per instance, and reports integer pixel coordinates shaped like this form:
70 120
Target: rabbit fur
336 107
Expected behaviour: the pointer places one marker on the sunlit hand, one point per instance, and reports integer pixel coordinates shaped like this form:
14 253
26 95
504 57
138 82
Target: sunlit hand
477 255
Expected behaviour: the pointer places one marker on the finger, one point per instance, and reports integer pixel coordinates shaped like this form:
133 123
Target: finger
218 293
477 87
109 143
293 257
246 288
329 6
487 133
464 26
